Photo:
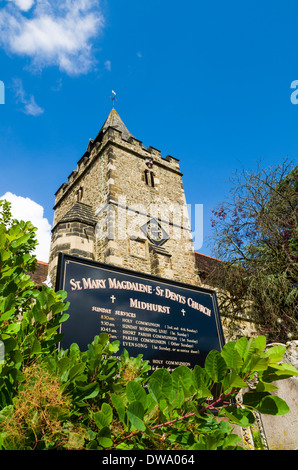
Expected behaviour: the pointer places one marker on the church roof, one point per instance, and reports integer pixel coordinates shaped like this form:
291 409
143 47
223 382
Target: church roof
80 213
39 276
114 120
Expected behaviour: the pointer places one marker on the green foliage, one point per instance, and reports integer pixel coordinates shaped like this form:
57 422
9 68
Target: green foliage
256 237
94 399
29 318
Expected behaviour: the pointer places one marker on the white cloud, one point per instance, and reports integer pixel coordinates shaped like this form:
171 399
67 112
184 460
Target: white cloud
108 65
58 33
58 85
24 5
30 106
23 208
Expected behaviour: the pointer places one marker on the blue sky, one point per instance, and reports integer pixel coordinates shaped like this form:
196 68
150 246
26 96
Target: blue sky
206 82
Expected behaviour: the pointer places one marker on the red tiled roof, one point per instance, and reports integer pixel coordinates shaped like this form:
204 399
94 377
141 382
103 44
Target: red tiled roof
40 274
206 264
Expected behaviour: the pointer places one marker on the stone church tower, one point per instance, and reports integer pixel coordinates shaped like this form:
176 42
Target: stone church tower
124 205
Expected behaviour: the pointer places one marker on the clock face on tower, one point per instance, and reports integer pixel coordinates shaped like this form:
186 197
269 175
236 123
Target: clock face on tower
154 232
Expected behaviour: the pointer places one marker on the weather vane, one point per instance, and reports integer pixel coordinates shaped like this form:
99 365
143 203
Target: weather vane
113 98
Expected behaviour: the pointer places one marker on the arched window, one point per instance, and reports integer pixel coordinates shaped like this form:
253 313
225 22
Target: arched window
152 178
146 174
79 194
149 178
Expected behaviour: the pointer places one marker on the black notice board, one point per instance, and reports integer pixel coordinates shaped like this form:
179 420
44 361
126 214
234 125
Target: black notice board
169 323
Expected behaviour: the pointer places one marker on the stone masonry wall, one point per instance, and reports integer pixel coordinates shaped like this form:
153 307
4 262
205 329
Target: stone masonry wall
112 179
72 238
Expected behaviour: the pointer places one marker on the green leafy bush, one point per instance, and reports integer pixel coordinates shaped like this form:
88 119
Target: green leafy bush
94 399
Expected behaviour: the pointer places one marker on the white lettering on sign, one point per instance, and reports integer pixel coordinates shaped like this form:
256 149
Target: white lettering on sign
115 284
135 303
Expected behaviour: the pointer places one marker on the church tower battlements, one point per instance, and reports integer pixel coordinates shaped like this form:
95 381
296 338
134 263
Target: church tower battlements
124 205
